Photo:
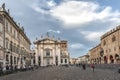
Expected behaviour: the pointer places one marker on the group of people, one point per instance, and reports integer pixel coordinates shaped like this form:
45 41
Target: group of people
91 66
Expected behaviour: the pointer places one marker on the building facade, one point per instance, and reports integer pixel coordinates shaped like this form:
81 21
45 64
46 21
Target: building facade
50 51
109 49
83 59
94 53
110 44
14 44
73 61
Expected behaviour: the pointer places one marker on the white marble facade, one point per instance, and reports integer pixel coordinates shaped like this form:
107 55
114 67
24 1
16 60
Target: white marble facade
51 52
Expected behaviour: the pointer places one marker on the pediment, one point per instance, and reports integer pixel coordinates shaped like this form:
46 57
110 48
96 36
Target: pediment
47 41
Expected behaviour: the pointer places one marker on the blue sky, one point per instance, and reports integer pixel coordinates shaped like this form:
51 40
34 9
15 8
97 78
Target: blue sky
81 22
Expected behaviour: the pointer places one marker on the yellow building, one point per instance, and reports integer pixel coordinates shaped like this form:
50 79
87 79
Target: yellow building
108 51
14 44
83 59
94 55
110 44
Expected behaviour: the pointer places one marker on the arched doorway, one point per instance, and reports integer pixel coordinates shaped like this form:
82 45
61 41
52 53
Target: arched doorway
100 60
105 59
111 59
117 58
97 61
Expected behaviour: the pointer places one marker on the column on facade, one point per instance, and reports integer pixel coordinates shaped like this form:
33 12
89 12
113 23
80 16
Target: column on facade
58 54
42 55
36 55
18 62
54 55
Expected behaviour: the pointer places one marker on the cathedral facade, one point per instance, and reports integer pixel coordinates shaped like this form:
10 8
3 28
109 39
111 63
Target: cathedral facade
50 51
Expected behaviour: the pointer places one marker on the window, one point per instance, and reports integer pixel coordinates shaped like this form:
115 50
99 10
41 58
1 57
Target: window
7 59
15 60
6 26
1 29
33 61
13 47
104 42
6 43
61 52
109 50
11 30
65 60
39 58
113 38
14 34
61 60
17 48
56 58
106 51
114 48
47 52
17 35
18 60
10 46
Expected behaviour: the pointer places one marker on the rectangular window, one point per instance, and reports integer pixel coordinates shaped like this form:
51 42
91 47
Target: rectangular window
47 52
56 58
6 44
14 34
14 60
39 58
1 19
7 58
6 26
65 60
61 60
11 30
114 48
1 29
17 49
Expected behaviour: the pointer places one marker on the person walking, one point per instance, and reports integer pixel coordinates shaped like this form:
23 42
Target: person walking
84 66
93 67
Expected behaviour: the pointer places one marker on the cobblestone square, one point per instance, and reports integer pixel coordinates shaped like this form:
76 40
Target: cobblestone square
64 73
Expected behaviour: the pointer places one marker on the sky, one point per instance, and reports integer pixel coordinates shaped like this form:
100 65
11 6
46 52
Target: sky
80 22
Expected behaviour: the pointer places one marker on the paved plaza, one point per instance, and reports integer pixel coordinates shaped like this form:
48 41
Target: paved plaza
64 73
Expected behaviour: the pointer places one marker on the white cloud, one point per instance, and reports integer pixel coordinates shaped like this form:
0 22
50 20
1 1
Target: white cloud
38 9
51 3
54 31
80 12
76 46
91 36
43 6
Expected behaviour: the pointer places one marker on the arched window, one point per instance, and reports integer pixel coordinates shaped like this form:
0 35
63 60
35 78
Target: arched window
104 42
113 38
